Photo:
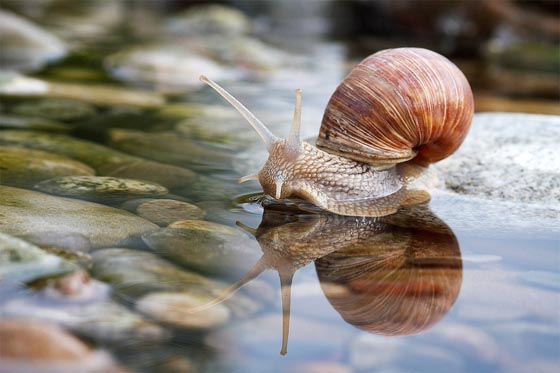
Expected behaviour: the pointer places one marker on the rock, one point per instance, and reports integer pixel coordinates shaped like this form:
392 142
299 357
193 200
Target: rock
64 110
25 46
105 160
169 176
32 123
173 309
135 273
100 188
76 286
70 243
208 226
165 67
171 148
102 321
207 188
15 85
26 213
215 252
21 167
209 19
508 157
43 347
21 261
166 211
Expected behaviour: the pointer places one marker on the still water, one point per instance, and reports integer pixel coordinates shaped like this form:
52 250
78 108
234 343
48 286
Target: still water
215 277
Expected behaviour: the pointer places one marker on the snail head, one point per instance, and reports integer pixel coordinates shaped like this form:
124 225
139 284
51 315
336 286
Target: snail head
277 174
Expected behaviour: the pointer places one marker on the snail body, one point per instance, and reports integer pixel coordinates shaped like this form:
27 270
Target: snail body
397 105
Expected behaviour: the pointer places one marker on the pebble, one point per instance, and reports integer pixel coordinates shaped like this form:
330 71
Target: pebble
27 213
24 168
64 110
32 123
100 188
173 309
166 211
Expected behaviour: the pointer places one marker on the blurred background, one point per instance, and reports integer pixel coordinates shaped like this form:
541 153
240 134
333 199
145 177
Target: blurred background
508 49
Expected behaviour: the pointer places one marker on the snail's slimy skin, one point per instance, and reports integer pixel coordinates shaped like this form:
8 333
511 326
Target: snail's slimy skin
331 182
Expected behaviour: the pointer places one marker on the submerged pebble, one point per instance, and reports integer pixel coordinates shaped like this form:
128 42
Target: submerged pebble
64 110
21 167
100 188
217 252
43 347
173 309
27 213
24 262
32 123
209 19
166 211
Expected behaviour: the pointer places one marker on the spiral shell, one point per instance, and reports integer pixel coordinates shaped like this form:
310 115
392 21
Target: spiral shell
398 104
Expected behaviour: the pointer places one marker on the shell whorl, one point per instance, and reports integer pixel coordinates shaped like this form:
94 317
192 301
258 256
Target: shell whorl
398 104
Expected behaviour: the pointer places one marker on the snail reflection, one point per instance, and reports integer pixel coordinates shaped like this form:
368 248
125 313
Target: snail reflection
395 279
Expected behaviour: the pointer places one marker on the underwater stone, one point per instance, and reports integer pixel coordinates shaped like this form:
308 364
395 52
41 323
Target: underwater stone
209 19
100 188
173 309
56 109
26 213
21 167
166 211
31 346
213 252
171 148
32 123
26 46
23 262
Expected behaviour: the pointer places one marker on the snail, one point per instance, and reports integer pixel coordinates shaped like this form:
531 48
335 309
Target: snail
396 106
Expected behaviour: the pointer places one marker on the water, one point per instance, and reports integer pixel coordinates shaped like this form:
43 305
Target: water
457 284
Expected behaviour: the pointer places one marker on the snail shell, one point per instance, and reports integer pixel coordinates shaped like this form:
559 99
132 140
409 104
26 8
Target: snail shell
398 104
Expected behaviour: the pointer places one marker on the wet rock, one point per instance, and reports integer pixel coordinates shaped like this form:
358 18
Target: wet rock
508 157
171 148
15 85
135 273
43 347
21 167
64 110
101 321
25 46
24 213
100 188
208 226
216 252
75 286
166 211
71 243
207 188
169 176
32 123
209 19
173 309
260 336
23 262
105 160
164 67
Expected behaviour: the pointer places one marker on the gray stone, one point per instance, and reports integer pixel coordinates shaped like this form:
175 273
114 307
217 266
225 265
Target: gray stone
16 85
23 213
64 110
215 252
209 18
26 46
21 167
508 157
100 188
24 262
173 309
166 211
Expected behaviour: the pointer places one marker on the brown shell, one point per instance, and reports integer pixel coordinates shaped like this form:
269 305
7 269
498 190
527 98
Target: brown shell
398 104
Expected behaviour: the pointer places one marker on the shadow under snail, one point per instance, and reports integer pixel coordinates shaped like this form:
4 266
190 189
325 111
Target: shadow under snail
396 108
